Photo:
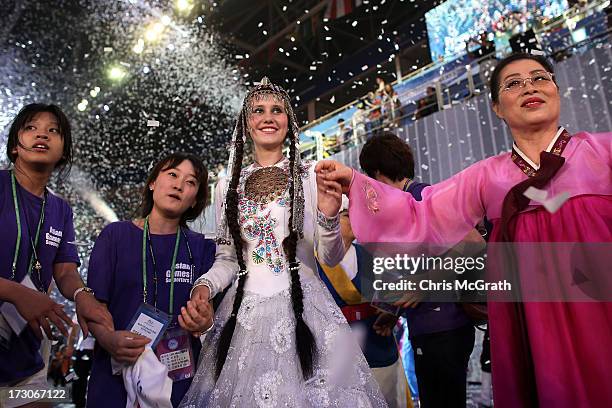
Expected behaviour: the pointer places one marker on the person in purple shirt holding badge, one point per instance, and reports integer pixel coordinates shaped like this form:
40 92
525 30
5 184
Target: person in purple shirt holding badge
36 246
144 269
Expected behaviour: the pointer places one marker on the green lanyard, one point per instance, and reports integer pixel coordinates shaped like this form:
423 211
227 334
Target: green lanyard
145 235
41 220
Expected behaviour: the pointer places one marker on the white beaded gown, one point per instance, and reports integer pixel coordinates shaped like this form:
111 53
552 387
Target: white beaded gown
262 368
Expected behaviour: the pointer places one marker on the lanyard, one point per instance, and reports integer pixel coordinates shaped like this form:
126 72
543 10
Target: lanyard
34 261
146 236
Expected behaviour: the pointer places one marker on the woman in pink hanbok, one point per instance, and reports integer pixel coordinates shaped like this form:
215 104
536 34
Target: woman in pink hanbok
545 353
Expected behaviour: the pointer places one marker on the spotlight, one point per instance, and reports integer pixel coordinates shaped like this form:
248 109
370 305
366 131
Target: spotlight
82 105
154 31
183 6
116 73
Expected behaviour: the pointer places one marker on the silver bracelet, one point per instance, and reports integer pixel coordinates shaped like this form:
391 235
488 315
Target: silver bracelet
330 224
82 289
202 282
209 329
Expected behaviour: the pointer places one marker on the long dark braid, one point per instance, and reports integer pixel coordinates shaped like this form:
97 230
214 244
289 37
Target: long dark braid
305 341
231 211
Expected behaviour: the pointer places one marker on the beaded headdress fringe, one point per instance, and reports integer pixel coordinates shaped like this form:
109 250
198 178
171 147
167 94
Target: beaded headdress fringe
241 130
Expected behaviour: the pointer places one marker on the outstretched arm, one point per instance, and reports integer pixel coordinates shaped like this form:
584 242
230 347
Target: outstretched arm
380 213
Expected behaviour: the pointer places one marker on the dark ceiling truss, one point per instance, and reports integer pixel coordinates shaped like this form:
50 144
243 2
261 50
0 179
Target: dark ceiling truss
280 26
300 55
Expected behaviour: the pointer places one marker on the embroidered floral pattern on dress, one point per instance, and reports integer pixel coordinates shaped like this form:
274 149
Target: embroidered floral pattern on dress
266 389
281 335
245 313
242 359
258 225
250 375
371 197
235 403
318 397
363 377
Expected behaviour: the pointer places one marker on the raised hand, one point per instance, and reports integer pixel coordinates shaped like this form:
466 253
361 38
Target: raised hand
333 171
329 196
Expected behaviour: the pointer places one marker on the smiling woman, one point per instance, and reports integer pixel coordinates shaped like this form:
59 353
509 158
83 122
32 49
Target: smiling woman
543 353
526 96
153 260
268 124
277 330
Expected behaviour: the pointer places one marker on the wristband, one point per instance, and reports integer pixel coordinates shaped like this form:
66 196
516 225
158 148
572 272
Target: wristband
328 223
209 329
202 282
82 289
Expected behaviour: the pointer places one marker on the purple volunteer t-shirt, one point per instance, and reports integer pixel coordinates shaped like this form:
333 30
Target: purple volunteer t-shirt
56 245
115 275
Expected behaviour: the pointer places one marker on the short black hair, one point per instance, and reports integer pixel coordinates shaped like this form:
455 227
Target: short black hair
172 161
25 115
494 84
388 155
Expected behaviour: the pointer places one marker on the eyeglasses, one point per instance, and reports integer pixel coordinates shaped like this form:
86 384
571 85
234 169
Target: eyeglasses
538 80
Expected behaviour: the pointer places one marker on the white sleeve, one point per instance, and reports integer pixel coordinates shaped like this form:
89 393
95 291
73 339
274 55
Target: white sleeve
328 242
223 270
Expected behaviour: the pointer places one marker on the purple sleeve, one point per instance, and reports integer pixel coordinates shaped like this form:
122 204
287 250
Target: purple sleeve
100 275
208 256
67 251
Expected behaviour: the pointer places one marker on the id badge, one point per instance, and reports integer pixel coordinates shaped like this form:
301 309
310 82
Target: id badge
149 322
175 352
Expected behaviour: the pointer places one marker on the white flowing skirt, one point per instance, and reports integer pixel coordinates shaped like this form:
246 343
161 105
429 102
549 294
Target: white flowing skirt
262 368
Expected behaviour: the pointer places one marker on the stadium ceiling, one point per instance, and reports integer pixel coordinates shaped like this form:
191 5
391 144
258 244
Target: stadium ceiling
297 43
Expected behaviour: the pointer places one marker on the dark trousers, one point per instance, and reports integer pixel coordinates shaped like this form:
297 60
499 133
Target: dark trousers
441 361
82 368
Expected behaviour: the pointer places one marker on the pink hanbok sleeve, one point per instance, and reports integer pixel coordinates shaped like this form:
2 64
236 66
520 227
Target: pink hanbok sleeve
447 212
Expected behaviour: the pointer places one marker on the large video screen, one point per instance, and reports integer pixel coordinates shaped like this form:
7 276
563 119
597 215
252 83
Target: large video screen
451 24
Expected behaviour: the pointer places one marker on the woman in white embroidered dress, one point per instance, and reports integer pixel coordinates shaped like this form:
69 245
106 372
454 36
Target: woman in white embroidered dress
278 339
